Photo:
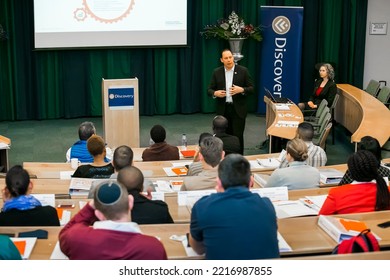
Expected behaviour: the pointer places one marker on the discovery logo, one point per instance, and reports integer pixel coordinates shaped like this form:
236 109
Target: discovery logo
281 25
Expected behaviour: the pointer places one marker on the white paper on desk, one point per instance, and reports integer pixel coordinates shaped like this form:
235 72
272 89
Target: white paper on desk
292 208
315 202
269 162
255 165
274 194
283 245
66 175
189 251
169 172
57 253
282 107
4 146
163 186
80 184
30 243
282 155
82 203
188 198
181 163
66 215
46 199
157 196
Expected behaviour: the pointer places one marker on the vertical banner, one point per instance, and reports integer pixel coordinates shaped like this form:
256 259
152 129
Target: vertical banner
281 53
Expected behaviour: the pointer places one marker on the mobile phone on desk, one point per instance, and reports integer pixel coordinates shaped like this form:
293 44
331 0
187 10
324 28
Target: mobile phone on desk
384 225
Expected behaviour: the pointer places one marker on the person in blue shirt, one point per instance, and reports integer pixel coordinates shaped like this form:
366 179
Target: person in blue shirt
234 223
79 149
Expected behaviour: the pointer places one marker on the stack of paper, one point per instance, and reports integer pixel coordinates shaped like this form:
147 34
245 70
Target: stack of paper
330 176
80 186
340 229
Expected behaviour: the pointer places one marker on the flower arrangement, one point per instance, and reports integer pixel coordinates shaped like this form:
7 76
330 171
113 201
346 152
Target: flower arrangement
232 27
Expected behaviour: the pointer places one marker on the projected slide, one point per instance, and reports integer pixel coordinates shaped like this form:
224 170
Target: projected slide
105 23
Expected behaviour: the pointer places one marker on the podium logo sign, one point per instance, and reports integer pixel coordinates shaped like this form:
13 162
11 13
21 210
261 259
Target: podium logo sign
281 25
121 98
280 53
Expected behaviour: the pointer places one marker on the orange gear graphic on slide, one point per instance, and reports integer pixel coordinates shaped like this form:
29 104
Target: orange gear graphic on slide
124 10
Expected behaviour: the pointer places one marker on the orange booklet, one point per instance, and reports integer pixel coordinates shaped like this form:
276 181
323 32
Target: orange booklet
188 153
353 225
180 171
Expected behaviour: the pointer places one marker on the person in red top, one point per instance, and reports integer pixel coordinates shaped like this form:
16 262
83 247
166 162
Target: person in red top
324 88
112 235
369 191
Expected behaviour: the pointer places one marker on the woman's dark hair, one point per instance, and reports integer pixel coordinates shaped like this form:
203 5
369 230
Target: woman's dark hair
363 166
371 144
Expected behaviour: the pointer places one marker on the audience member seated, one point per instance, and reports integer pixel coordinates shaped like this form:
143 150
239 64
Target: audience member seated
324 88
210 154
112 235
79 149
368 192
8 250
234 223
298 175
99 169
160 150
20 207
123 157
145 210
372 145
196 166
231 143
316 155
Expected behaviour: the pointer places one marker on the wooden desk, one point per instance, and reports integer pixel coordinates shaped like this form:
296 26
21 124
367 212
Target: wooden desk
150 169
302 234
362 114
381 255
4 153
274 117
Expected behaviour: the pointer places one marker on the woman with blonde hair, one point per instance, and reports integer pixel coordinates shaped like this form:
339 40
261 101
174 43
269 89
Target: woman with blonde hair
298 175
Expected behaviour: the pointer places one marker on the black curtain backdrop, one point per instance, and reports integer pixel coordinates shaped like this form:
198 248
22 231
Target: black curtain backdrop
67 83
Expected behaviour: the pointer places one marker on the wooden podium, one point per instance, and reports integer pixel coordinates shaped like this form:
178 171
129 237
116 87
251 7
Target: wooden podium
120 112
5 143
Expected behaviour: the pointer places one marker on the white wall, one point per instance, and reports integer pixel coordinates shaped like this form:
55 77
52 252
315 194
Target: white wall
377 57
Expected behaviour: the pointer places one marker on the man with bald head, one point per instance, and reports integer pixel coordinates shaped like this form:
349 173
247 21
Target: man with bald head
145 210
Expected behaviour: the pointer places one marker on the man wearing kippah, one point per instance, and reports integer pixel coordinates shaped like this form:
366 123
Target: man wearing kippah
112 235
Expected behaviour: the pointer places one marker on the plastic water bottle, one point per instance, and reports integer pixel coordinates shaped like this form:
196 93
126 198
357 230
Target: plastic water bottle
184 141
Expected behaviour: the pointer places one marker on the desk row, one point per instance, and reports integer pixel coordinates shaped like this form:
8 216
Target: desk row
303 236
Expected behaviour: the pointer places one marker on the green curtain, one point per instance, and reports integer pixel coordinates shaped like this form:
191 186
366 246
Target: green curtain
67 83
